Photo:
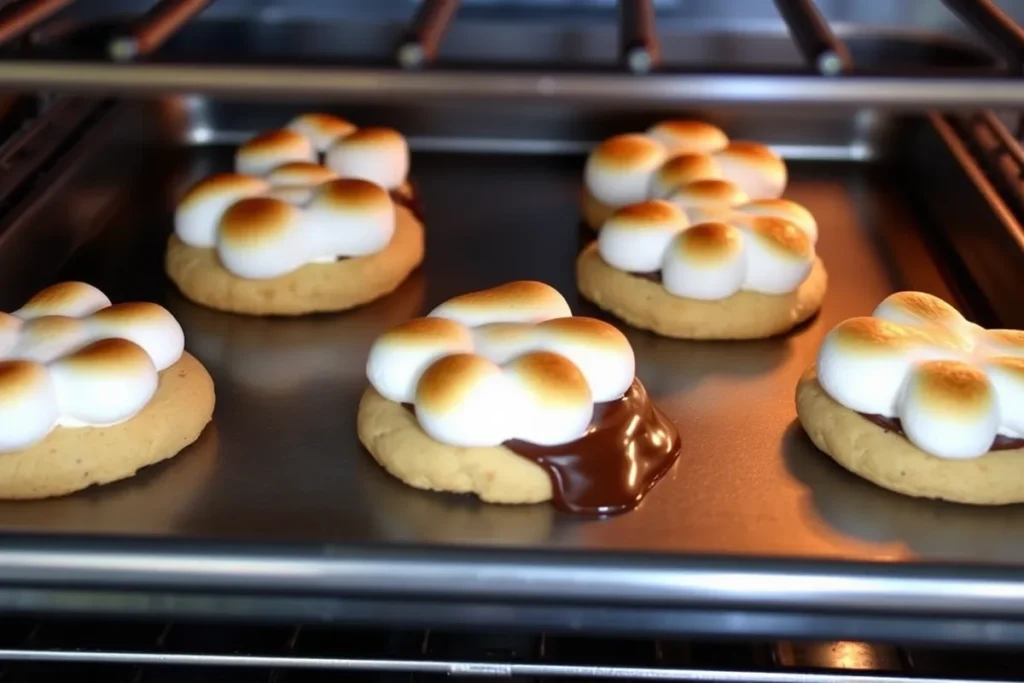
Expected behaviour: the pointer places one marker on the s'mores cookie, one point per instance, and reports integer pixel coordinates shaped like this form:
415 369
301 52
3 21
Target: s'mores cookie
922 402
91 392
630 168
318 216
504 394
706 263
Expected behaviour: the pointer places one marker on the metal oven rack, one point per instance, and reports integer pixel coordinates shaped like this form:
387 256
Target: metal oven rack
194 586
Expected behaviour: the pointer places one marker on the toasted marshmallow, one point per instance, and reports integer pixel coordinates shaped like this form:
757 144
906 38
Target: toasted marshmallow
918 308
118 372
689 137
619 170
758 171
1003 342
501 342
349 217
198 214
399 357
708 200
73 299
44 339
524 301
265 152
1007 376
779 256
555 405
10 327
148 325
682 170
635 237
599 350
261 238
323 130
28 404
466 400
300 174
863 363
380 155
784 209
705 262
949 409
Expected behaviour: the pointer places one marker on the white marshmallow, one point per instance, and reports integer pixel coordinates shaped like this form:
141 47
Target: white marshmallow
72 299
149 325
554 404
689 137
501 342
954 420
466 400
784 209
635 237
262 238
399 357
323 130
705 262
10 328
524 301
778 256
265 152
199 212
682 170
758 171
619 170
1007 376
28 404
380 155
599 350
47 338
349 217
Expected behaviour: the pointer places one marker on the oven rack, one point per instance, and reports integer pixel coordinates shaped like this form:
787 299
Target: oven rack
132 62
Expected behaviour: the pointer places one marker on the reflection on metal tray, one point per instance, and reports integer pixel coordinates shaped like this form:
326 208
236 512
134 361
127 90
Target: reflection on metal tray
281 464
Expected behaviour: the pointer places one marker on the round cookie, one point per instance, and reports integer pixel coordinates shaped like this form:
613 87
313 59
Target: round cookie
889 460
593 211
394 438
315 287
71 459
647 305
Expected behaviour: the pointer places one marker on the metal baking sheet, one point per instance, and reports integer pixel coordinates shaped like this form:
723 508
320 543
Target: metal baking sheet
281 462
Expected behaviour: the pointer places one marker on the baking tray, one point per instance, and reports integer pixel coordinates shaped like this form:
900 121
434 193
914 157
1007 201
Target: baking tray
278 499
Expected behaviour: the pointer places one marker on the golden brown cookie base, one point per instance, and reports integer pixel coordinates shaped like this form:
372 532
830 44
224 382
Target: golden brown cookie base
71 459
395 440
593 212
317 287
646 304
889 460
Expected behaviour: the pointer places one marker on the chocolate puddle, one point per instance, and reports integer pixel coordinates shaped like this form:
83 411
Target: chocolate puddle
629 446
892 424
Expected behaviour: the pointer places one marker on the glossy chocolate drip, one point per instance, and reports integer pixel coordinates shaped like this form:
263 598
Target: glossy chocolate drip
629 446
892 424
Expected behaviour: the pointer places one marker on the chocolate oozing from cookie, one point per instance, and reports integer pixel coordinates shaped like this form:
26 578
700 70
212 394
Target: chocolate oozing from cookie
892 424
628 448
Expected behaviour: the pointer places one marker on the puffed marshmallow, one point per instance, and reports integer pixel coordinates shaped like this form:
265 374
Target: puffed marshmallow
199 212
949 409
10 328
784 209
779 256
150 326
399 357
523 301
599 350
261 238
1003 342
708 200
1007 376
682 170
323 130
103 384
705 262
72 299
501 342
380 155
300 173
635 237
349 217
758 171
619 170
466 400
265 152
44 339
554 405
863 362
689 137
28 404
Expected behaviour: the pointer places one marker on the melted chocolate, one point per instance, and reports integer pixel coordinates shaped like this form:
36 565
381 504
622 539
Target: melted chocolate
629 446
653 277
892 424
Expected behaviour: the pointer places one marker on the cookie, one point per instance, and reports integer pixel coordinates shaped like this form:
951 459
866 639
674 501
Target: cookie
71 459
315 287
594 213
646 304
394 438
890 460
